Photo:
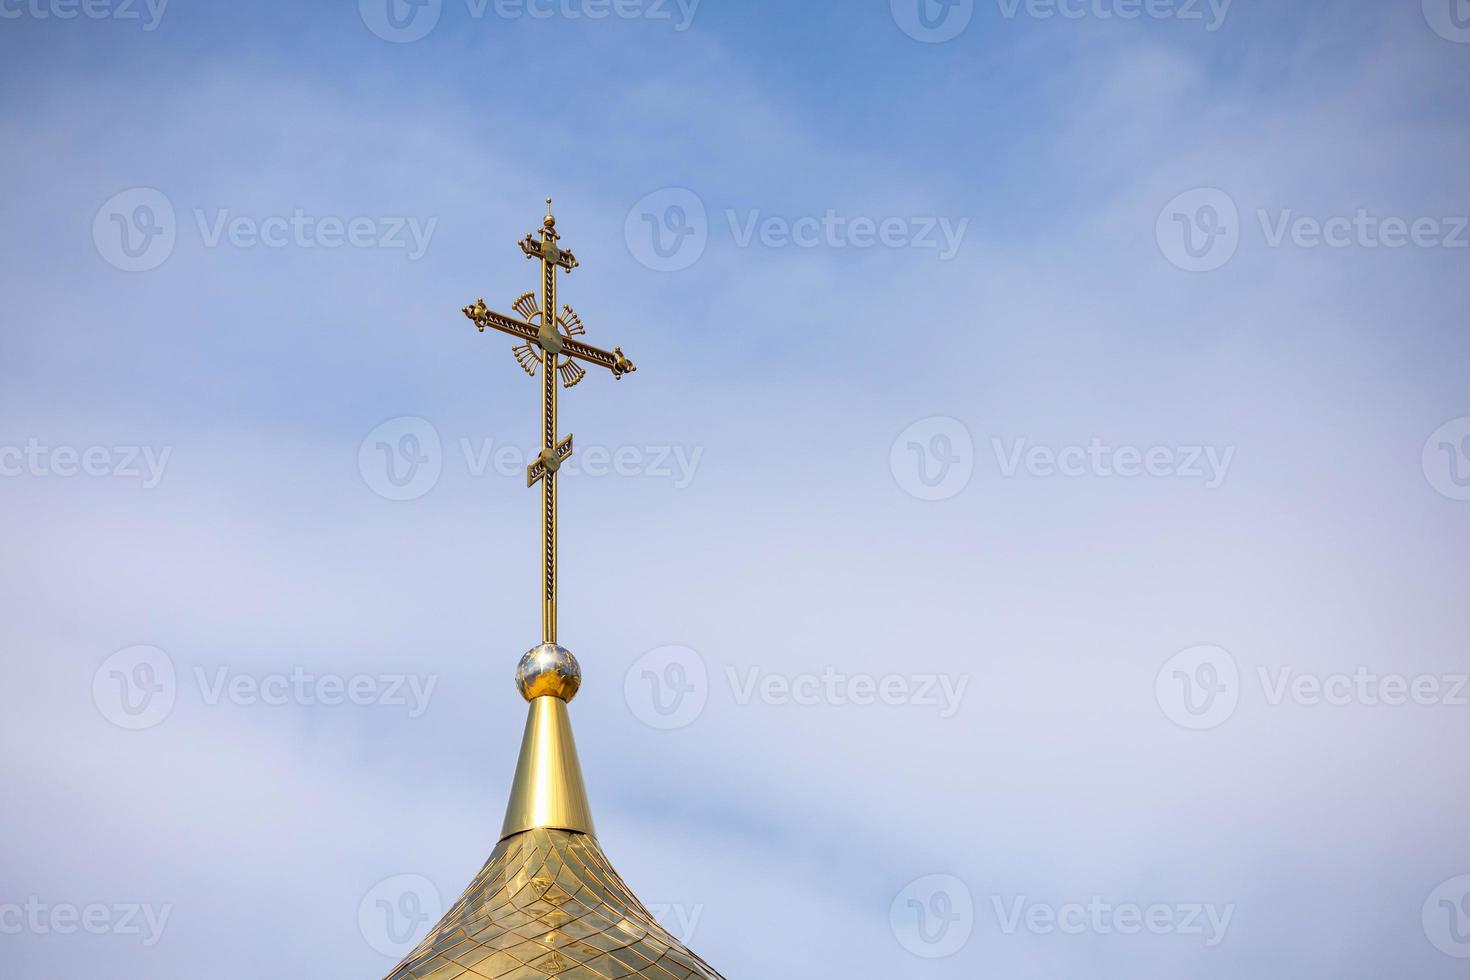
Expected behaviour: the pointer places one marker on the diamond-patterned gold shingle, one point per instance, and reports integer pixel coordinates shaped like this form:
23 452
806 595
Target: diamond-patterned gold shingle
548 906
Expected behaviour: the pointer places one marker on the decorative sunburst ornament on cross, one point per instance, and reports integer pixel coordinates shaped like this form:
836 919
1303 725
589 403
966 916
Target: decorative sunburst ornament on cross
529 355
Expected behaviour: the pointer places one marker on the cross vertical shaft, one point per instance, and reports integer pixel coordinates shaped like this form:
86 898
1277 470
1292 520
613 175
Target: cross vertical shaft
548 446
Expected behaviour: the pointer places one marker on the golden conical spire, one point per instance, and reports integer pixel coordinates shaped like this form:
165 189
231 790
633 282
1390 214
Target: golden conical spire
548 905
548 792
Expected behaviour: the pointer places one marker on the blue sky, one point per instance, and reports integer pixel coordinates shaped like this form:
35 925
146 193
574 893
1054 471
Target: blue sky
1094 386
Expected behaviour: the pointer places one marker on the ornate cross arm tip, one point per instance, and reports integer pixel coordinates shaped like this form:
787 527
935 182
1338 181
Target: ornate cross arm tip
617 362
621 364
485 318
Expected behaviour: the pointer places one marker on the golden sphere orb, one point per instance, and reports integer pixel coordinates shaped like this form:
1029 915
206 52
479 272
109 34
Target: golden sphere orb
549 670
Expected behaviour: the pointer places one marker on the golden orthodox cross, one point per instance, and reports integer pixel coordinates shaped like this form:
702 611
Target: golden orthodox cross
548 341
